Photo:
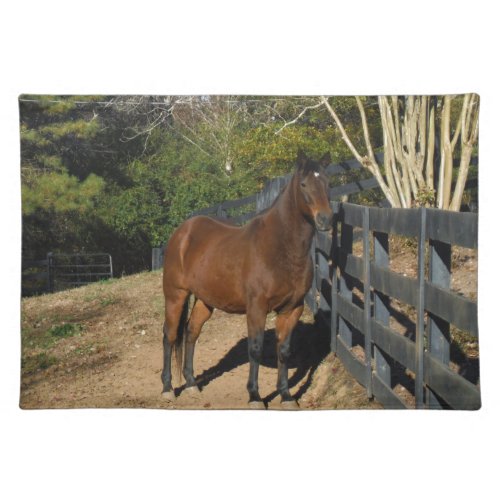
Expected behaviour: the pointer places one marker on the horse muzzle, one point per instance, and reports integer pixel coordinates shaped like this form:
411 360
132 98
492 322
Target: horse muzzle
323 221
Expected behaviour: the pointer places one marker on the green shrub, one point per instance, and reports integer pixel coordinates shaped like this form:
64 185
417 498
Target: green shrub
40 361
65 330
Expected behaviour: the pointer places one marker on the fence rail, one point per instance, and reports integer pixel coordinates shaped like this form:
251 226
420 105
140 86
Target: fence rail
260 201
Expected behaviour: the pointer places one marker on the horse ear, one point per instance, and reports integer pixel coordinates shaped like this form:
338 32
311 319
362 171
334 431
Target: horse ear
301 159
325 160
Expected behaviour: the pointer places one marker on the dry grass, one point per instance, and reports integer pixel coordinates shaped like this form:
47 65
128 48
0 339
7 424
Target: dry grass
333 387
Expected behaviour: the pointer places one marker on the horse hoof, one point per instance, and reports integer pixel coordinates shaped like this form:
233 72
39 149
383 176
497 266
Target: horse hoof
256 405
194 390
290 405
168 396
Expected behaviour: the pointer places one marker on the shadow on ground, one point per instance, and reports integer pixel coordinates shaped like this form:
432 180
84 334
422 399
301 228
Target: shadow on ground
310 344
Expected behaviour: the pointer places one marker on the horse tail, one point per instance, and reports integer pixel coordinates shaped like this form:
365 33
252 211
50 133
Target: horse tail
181 338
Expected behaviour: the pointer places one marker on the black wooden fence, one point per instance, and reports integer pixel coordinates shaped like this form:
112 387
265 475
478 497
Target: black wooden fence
355 295
362 320
241 210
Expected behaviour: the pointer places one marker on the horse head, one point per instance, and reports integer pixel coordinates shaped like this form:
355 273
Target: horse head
313 191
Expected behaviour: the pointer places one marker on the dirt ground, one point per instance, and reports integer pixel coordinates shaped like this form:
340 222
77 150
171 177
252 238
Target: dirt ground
110 355
100 346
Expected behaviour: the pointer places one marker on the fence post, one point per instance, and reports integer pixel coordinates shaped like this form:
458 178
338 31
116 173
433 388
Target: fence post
367 306
221 212
438 330
419 340
314 285
156 259
50 277
78 264
345 289
261 201
335 281
381 305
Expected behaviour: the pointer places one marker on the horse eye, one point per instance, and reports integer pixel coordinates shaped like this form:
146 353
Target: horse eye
303 184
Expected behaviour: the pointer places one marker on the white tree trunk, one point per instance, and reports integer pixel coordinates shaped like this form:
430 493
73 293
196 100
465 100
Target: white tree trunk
469 135
409 148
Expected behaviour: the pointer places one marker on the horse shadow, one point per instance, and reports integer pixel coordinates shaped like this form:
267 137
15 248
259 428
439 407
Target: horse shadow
310 344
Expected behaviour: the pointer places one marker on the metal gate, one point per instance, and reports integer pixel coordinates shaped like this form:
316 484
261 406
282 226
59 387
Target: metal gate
72 270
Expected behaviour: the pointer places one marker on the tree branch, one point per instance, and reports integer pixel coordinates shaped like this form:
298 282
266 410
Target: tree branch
148 130
446 166
365 161
300 115
467 147
390 162
366 131
460 123
431 143
343 133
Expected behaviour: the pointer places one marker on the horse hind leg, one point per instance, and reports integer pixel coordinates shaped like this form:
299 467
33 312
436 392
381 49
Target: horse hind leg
199 316
173 326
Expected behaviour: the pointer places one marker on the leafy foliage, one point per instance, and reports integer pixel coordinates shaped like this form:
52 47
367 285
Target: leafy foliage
61 193
119 174
99 177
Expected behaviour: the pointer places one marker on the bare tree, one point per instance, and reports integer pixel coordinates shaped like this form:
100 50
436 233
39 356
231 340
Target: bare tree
145 113
210 123
207 122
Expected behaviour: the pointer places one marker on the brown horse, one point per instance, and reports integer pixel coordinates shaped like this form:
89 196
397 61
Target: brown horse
260 267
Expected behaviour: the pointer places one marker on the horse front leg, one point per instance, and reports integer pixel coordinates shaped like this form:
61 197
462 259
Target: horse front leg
285 323
256 322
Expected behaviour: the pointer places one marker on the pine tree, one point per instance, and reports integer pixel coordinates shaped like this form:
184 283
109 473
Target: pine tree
57 162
